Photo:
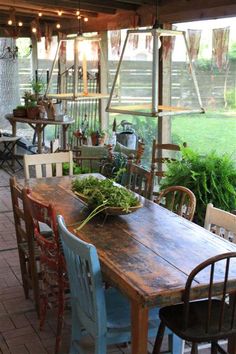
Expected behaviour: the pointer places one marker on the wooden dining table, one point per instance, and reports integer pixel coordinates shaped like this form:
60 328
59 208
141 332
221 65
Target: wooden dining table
147 254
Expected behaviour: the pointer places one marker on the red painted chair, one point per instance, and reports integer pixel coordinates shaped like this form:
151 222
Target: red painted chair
54 276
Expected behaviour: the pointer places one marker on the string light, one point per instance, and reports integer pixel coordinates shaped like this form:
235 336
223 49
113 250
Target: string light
40 14
58 25
34 29
9 22
77 13
59 13
86 19
20 24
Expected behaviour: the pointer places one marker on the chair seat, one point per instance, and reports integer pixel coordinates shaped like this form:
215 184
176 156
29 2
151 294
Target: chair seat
173 316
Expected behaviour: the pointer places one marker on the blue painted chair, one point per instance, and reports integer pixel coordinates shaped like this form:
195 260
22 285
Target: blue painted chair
102 313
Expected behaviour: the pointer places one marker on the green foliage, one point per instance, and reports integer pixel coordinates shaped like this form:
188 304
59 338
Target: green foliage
38 86
211 178
203 64
231 98
30 99
101 192
20 107
77 170
232 52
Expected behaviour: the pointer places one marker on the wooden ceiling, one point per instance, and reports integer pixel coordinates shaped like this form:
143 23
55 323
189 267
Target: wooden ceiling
111 14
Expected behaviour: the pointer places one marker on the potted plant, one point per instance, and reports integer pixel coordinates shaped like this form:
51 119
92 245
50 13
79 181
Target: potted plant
37 88
19 111
97 136
211 178
31 105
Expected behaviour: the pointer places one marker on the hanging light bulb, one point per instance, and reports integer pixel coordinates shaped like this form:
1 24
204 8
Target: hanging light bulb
20 24
58 25
77 12
9 22
85 19
40 14
59 13
34 29
79 17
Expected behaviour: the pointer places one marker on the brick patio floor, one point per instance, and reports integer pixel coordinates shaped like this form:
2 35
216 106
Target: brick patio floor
19 328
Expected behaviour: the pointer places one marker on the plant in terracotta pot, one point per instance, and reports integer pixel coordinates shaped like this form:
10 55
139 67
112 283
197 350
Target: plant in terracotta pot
97 136
31 105
38 87
19 111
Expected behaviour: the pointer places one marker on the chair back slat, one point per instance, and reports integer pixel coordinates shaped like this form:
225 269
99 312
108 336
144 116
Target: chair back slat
22 221
178 199
48 168
59 169
209 309
38 171
220 222
161 154
223 303
139 180
220 269
85 280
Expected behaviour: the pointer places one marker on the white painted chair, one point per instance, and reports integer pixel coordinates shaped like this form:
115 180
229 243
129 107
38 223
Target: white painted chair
47 165
220 222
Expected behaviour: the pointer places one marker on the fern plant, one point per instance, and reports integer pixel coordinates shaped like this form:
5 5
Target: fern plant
211 178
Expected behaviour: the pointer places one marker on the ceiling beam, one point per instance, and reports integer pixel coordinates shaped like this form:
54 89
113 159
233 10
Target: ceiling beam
46 6
173 6
103 6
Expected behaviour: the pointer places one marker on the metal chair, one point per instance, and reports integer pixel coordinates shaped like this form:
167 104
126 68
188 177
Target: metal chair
207 320
7 155
47 165
54 283
178 199
220 222
103 313
139 180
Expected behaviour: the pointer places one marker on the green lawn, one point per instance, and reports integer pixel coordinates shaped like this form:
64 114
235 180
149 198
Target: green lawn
205 132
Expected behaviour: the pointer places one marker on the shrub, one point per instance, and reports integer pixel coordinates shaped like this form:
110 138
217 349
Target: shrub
211 178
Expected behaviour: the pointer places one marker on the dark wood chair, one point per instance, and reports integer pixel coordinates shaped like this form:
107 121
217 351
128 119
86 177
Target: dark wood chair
28 252
178 199
161 154
139 180
54 283
207 320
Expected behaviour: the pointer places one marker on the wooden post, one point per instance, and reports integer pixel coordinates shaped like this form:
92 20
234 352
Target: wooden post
104 69
34 57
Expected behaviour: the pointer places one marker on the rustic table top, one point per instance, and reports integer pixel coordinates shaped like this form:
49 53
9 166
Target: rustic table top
67 120
147 254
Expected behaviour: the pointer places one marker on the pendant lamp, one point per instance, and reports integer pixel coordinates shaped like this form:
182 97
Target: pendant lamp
72 70
135 90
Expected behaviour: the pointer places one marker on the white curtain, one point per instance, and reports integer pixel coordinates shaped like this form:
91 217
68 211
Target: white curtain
9 81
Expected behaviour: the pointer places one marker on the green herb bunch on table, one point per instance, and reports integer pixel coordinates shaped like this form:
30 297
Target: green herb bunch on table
105 193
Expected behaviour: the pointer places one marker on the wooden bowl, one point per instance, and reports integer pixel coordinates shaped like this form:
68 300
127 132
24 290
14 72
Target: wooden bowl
110 210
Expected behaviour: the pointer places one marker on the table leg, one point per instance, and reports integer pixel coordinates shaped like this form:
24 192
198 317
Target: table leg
64 130
139 323
39 129
13 127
